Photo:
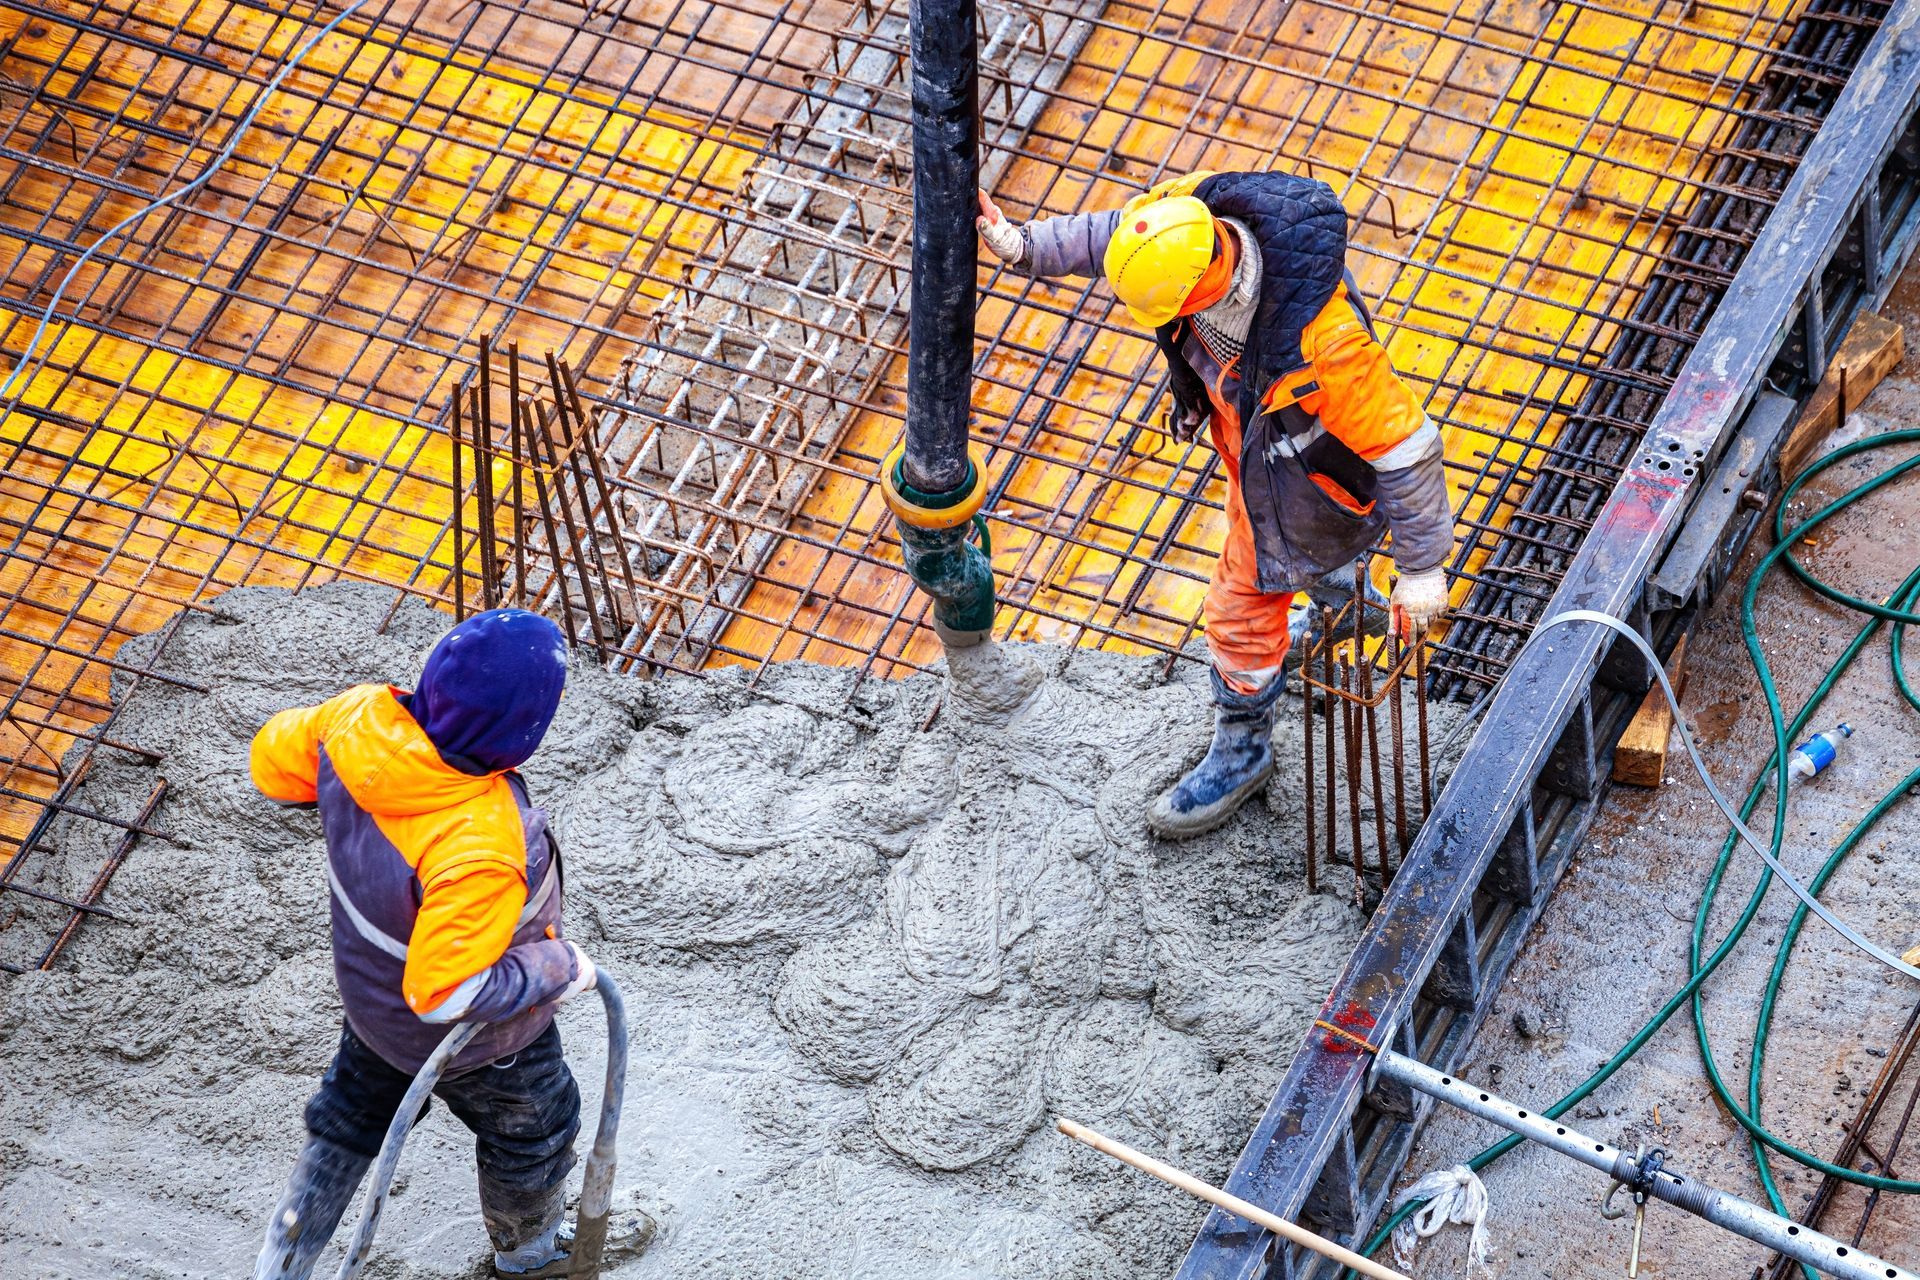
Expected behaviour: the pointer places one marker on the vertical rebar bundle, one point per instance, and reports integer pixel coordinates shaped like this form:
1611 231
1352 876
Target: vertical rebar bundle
1341 746
569 557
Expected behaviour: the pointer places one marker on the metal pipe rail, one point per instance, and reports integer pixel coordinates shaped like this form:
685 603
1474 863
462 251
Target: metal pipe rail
1422 976
1802 1244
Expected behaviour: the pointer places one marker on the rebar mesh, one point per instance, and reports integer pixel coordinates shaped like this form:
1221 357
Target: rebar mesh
702 208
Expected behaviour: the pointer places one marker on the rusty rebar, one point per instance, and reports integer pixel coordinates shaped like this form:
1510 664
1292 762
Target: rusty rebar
89 901
529 414
1899 1054
606 619
1350 727
1402 836
1327 705
1356 731
483 477
1371 716
1307 779
590 446
517 443
551 461
455 443
1420 709
482 497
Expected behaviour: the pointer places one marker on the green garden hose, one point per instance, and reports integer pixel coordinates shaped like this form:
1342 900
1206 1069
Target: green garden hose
1898 609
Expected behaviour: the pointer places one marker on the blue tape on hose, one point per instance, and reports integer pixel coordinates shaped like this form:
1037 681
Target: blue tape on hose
1752 841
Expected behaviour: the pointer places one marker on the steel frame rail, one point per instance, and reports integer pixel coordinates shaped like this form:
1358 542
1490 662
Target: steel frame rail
1424 973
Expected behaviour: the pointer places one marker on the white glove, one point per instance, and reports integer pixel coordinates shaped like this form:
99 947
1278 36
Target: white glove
1419 598
1003 238
584 976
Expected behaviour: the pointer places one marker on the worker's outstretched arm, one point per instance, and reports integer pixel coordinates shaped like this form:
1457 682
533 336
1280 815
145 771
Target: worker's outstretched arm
1074 245
461 964
285 759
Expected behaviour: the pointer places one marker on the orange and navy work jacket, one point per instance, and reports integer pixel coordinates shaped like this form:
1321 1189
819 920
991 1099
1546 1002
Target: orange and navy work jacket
445 886
1334 449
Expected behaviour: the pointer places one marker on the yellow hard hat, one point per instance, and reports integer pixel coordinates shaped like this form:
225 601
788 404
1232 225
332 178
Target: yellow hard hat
1158 253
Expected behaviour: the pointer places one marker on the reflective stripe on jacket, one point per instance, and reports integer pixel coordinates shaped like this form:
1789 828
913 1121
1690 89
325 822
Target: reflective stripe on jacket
444 886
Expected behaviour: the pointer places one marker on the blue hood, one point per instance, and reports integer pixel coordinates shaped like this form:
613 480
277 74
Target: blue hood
490 689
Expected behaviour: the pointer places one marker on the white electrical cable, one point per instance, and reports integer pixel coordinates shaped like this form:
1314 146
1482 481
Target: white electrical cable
220 158
1753 841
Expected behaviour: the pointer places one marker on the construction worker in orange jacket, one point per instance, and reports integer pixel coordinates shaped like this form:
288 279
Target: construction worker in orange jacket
1242 278
445 898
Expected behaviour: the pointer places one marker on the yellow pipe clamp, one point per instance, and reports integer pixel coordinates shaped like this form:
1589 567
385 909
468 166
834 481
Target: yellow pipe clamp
909 512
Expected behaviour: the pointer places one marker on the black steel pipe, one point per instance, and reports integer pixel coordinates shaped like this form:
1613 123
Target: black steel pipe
946 174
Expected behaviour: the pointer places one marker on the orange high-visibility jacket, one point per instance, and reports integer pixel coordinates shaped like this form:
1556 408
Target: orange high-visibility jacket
1335 448
444 885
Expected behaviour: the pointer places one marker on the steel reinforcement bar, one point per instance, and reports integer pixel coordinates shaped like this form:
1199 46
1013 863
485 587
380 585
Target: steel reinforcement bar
1424 972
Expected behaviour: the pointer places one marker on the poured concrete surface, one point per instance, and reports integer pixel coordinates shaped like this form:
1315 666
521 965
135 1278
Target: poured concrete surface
864 964
1612 944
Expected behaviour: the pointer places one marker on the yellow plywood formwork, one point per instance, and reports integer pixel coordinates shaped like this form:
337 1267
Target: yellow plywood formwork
704 210
1514 171
253 392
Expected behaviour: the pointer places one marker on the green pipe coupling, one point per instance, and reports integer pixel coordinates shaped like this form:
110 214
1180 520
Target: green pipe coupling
933 537
958 575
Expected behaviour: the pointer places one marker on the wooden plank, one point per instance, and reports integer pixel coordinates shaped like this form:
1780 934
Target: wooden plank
1871 350
1641 758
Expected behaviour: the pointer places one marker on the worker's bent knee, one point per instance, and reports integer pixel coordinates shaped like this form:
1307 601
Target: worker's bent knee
525 1115
357 1098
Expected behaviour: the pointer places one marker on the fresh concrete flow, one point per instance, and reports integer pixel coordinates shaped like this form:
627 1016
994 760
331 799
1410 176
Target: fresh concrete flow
865 964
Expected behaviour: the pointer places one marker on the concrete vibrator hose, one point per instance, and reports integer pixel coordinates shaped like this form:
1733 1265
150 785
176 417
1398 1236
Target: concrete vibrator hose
596 1185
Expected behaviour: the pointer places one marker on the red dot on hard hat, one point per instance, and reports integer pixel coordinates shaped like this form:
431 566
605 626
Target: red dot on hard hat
1140 228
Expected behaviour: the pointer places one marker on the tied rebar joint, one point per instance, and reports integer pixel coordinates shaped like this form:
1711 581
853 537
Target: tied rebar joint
957 573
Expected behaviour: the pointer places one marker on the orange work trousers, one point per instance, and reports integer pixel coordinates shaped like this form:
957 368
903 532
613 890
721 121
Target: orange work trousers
1246 627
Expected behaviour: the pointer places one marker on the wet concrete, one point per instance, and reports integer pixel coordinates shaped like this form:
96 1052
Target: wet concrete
1612 944
865 965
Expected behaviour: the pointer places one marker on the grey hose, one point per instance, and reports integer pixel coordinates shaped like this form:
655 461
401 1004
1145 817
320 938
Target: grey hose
596 1184
1752 841
596 1188
403 1118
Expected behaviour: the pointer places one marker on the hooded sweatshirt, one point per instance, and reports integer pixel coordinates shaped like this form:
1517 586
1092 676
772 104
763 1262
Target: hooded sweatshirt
445 892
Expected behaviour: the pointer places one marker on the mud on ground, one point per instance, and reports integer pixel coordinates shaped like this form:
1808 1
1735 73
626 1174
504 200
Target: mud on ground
865 966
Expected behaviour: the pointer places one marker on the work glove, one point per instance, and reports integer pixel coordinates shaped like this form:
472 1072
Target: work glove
1008 242
1184 424
1418 598
584 975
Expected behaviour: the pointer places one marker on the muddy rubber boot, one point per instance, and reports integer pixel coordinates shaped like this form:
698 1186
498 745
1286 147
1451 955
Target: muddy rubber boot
321 1186
1237 764
531 1237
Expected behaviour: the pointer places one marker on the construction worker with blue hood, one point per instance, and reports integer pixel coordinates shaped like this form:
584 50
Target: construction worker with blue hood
445 895
1242 278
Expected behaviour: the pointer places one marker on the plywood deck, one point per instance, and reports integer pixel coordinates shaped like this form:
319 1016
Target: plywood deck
1514 170
702 207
